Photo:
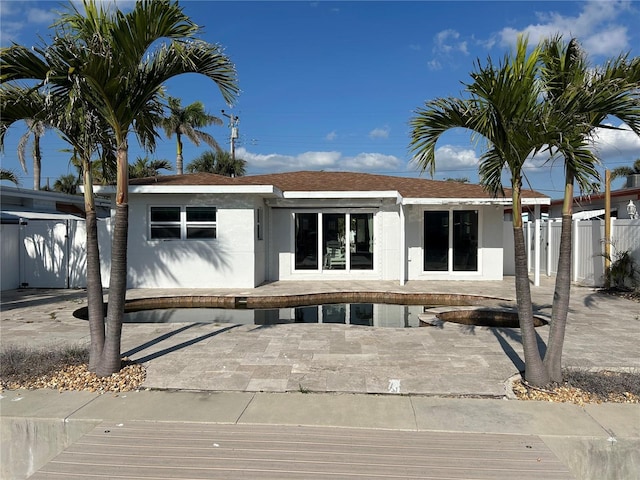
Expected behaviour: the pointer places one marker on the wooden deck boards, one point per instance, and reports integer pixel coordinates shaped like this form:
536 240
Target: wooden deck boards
159 450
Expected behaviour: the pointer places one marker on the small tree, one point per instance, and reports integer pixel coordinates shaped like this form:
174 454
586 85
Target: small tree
148 168
626 171
66 184
219 162
9 175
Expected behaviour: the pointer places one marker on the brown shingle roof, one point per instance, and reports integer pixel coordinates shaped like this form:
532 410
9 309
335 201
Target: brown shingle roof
318 181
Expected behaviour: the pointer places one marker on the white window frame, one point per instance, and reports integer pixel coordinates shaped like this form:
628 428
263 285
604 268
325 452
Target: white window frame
183 223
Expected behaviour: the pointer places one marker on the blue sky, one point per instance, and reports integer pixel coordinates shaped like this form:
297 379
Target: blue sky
333 85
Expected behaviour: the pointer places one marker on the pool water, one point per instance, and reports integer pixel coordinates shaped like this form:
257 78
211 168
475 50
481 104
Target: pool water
365 314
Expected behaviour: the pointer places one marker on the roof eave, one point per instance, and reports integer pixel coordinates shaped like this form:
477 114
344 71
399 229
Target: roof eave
474 201
266 190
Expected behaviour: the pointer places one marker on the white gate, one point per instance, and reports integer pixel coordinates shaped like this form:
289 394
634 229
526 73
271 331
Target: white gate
45 254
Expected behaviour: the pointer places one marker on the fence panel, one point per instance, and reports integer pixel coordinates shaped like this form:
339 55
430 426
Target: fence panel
587 248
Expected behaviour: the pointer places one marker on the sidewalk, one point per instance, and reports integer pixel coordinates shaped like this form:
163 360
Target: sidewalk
538 440
238 377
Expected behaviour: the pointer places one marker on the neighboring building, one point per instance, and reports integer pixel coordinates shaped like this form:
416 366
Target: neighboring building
592 206
207 230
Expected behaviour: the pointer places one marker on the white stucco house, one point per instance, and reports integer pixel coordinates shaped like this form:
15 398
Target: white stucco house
211 231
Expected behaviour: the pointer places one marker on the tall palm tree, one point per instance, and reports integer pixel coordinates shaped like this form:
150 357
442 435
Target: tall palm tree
579 99
219 162
503 108
9 175
87 135
186 121
143 167
118 63
35 130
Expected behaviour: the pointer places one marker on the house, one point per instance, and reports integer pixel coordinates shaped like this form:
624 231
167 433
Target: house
43 238
206 230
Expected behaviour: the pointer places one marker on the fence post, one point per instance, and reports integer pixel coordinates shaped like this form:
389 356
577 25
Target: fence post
536 246
576 249
549 246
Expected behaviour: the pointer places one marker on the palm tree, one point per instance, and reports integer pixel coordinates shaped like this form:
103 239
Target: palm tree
502 108
626 171
9 175
118 63
35 129
66 184
219 162
185 121
148 168
87 135
579 99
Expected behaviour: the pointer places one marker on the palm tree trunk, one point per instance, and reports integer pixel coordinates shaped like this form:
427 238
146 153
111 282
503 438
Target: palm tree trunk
94 279
37 161
562 293
535 372
179 154
110 361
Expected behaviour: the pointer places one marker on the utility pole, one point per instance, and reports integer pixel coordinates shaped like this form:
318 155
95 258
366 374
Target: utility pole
233 125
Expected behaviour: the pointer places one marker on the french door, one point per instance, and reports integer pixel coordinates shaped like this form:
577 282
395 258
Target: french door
333 241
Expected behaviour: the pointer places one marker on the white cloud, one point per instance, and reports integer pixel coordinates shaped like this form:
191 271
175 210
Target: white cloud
594 27
615 143
447 42
275 162
452 156
382 132
331 136
434 65
371 162
40 16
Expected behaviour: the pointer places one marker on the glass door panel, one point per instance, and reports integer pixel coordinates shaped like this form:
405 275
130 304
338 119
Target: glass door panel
465 240
306 241
436 241
333 241
361 241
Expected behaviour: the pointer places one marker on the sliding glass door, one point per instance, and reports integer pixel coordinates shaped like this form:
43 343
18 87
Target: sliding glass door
342 241
451 241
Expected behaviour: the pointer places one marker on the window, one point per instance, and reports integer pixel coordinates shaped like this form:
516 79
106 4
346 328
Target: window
191 223
451 231
259 227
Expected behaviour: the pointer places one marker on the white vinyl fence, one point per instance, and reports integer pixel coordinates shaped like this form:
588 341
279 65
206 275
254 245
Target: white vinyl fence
587 250
48 253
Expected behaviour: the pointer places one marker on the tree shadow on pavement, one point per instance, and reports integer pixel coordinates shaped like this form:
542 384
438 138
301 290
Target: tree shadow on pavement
176 347
503 335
